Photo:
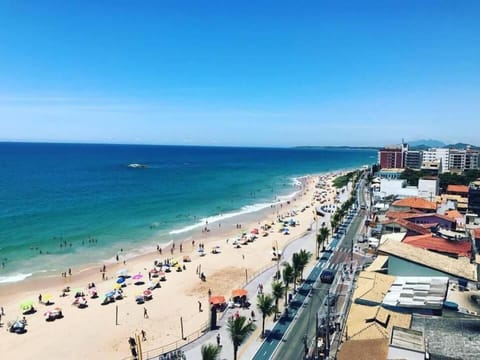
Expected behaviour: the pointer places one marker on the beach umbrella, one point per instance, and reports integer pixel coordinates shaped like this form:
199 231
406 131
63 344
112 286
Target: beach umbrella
117 286
47 314
217 300
147 292
137 277
120 280
110 294
239 292
254 231
26 305
47 297
122 272
154 271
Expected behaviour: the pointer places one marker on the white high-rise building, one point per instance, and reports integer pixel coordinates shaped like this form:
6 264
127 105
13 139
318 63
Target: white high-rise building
434 154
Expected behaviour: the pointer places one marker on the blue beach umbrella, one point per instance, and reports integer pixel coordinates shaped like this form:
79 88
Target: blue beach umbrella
110 294
120 280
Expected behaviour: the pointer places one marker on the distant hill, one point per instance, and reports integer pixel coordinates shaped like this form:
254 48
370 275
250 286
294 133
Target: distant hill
339 147
426 143
461 146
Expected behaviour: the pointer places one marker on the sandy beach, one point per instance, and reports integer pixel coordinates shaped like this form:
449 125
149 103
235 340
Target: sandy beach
92 332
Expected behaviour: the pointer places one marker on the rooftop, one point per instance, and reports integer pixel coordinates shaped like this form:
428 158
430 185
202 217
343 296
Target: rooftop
454 337
453 214
363 349
417 292
373 286
378 264
457 188
408 225
438 244
460 267
407 339
416 203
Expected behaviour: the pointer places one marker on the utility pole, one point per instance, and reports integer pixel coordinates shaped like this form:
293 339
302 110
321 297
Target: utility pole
327 337
316 336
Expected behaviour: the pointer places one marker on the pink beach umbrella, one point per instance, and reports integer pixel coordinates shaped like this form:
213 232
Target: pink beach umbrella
137 277
254 231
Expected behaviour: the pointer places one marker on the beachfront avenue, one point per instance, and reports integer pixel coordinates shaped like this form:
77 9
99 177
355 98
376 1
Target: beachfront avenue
295 338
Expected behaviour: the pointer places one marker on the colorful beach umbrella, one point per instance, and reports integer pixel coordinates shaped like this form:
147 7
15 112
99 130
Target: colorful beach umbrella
120 280
137 277
26 305
217 300
117 286
47 297
122 272
239 292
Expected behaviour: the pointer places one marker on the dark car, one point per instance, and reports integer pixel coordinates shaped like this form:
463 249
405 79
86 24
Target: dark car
327 276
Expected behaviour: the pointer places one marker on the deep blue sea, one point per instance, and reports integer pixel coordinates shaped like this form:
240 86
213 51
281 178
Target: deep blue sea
57 194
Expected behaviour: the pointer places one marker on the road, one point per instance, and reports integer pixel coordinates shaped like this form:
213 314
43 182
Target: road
303 329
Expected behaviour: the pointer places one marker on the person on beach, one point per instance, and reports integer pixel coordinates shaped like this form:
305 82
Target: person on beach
144 335
218 339
209 292
70 271
199 306
145 313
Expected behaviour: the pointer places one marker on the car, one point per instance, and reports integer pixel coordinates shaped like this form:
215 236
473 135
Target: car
327 276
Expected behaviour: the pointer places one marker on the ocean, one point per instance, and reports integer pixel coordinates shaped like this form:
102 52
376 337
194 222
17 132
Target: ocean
62 205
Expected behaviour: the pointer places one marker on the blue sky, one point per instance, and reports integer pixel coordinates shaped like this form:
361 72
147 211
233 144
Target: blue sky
270 73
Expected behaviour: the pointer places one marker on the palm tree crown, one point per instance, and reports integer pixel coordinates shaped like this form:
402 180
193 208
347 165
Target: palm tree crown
277 293
266 306
210 352
239 330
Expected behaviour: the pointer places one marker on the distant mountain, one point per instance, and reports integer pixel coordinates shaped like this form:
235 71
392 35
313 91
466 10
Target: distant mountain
460 146
339 147
426 143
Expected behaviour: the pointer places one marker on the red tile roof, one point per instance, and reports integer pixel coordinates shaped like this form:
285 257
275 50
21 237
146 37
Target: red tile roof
401 214
408 225
457 188
454 214
415 214
416 203
430 242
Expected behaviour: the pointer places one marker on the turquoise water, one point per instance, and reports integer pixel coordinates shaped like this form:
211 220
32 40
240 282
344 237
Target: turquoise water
56 194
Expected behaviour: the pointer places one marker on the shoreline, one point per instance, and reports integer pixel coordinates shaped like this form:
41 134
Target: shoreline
144 247
176 298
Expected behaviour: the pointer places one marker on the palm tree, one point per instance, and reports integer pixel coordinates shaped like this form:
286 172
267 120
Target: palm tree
277 293
304 258
321 237
287 276
266 307
210 352
296 264
239 330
